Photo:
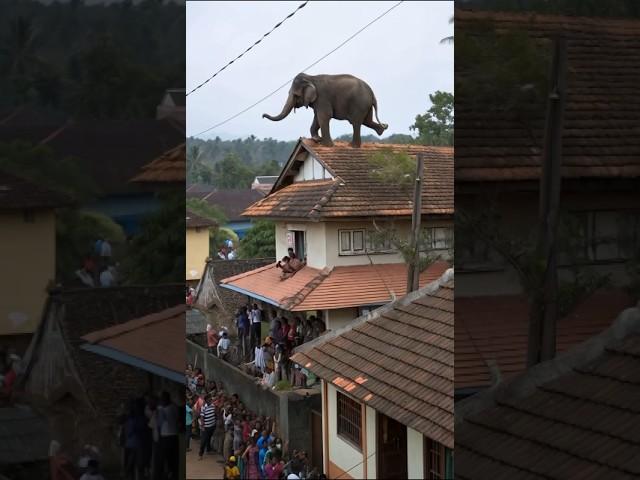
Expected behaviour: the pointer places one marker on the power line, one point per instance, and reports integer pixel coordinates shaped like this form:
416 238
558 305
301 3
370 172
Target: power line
302 5
307 68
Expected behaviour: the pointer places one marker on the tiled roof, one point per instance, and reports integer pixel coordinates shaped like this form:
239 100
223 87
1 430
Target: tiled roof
18 193
577 416
602 111
232 202
196 221
168 167
353 192
495 328
339 287
151 338
398 360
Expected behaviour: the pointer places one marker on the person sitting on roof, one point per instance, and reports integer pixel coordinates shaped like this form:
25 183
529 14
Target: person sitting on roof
291 253
289 267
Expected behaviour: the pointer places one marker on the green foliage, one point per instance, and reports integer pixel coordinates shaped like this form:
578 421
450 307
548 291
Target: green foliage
232 173
218 237
394 168
39 165
435 127
202 208
123 56
157 253
260 241
259 157
76 233
282 385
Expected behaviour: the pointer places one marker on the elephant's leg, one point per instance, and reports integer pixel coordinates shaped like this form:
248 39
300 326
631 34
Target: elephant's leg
315 128
323 119
372 124
356 140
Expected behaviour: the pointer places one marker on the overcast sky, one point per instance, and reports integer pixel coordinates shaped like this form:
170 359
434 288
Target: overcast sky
399 56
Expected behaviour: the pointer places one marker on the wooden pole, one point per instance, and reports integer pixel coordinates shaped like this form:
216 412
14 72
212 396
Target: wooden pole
413 272
544 311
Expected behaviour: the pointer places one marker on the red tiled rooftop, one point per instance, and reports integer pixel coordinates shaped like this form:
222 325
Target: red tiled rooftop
354 192
168 167
340 287
602 110
398 360
494 328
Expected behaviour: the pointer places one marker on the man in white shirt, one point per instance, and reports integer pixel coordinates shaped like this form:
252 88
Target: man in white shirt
223 345
256 319
168 427
106 278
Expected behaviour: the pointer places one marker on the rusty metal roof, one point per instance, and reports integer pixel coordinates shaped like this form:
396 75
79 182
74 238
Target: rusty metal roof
577 416
398 360
602 114
331 288
353 192
495 328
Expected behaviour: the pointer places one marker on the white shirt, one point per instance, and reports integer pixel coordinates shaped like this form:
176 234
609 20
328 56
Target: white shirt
168 418
223 344
106 279
105 250
256 316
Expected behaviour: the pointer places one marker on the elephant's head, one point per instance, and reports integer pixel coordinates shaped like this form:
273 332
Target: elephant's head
301 94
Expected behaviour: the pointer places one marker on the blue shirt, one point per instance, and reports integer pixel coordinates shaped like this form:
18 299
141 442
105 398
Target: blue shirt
189 418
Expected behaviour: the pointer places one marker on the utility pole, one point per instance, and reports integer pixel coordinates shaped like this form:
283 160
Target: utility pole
544 309
413 272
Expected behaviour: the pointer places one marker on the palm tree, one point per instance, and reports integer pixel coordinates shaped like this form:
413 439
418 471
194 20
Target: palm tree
448 40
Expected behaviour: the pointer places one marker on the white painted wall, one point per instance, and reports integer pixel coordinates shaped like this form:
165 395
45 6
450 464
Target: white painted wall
281 240
340 317
415 454
311 169
341 453
372 443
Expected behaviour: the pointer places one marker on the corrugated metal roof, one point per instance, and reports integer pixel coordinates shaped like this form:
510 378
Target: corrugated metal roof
398 360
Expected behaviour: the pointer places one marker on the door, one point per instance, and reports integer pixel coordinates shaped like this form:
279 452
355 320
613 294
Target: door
391 448
316 440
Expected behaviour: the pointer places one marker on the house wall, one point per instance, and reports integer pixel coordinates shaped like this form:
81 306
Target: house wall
197 252
28 251
323 244
415 454
340 317
344 460
519 212
372 442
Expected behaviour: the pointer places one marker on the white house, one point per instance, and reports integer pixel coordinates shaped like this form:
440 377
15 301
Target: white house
387 388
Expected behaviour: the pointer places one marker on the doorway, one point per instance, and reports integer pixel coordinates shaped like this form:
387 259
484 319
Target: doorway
391 448
316 440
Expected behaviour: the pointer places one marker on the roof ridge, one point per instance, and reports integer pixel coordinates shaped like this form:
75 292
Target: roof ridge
311 285
626 324
246 274
378 312
315 211
133 324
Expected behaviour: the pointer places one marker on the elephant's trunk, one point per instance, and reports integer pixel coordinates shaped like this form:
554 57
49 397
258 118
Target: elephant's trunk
285 110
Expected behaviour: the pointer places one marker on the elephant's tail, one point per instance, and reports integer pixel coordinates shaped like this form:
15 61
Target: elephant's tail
375 106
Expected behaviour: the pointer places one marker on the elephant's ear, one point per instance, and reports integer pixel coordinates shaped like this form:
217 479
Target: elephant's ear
309 94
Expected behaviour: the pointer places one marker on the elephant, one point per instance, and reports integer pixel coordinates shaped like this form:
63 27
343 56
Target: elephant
343 97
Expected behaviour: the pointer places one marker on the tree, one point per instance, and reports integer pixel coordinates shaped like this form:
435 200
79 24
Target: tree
157 254
204 209
260 241
232 173
435 127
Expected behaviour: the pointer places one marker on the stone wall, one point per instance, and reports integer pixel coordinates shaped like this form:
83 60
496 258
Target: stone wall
292 412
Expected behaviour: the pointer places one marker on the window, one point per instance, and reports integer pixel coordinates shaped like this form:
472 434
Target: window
601 236
377 243
435 460
441 238
349 419
296 240
351 242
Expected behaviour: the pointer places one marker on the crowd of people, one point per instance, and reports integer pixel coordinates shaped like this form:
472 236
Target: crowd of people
98 268
249 443
149 436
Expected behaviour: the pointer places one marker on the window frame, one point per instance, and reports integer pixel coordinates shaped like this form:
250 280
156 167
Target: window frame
342 420
351 250
431 450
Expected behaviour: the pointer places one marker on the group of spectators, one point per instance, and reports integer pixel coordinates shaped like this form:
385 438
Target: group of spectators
98 268
290 264
249 443
149 429
227 251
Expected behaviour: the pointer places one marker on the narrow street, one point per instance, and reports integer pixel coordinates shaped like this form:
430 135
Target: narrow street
209 468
